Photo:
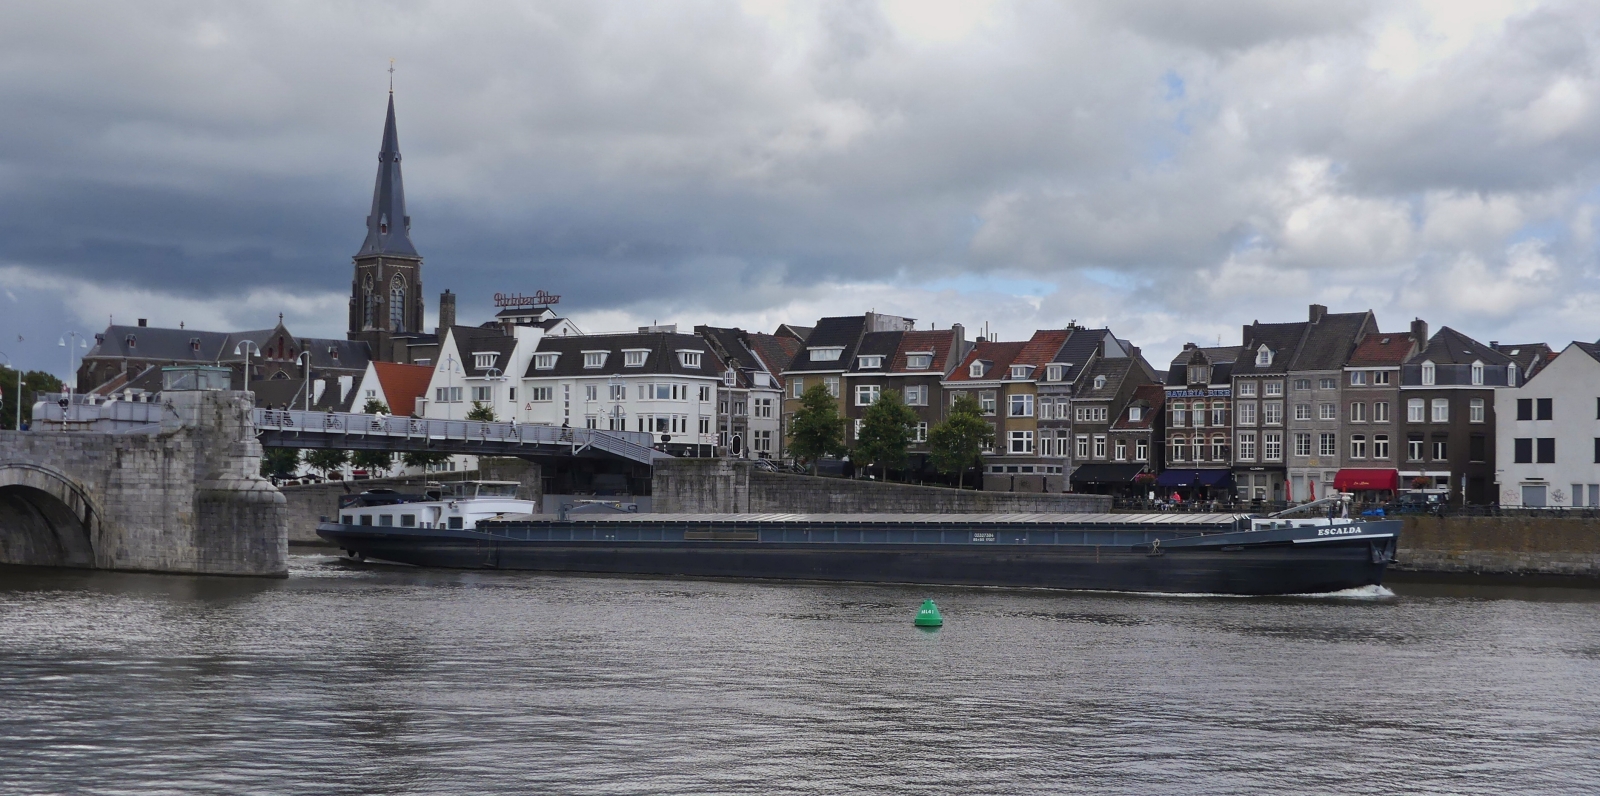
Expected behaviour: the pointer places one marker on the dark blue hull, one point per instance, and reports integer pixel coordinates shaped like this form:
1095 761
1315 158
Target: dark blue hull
1226 562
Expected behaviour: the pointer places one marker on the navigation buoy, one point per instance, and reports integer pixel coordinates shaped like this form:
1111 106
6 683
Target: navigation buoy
929 616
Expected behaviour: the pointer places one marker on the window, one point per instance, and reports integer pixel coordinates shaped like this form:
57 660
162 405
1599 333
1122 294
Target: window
1545 450
797 386
1247 446
1272 413
1358 378
1198 447
1219 448
1524 408
1358 413
1546 408
705 425
1219 413
986 402
634 358
1441 410
447 395
1327 444
1099 382
1414 448
1091 414
482 360
1263 356
763 440
1180 413
1414 411
689 359
372 395
1199 374
832 383
1327 384
511 394
867 394
826 353
1053 372
1083 446
1141 450
1022 442
764 407
1380 411
1522 450
1380 446
1247 389
483 394
870 362
1475 410
545 361
919 361
1247 413
919 432
1135 414
1428 374
1120 451
589 421
595 359
1177 448
1327 411
1302 411
1511 374
1477 373
1380 377
540 394
1199 410
1301 384
1358 446
1302 444
1099 447
1440 450
1272 446
618 391
1022 405
1272 388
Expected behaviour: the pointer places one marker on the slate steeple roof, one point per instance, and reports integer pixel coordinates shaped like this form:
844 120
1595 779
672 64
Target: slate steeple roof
389 228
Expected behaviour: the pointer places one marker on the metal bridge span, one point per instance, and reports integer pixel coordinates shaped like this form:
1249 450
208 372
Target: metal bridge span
290 428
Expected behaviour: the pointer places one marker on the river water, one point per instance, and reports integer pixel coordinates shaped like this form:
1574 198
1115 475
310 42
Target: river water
349 679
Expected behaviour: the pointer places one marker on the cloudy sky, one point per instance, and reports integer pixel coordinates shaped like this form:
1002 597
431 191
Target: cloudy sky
1173 169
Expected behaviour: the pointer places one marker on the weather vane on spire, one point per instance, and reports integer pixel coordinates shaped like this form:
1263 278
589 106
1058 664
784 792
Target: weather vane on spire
391 75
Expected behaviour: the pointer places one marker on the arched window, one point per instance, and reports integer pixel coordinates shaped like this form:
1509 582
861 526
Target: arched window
1177 449
369 304
1477 373
397 304
1428 372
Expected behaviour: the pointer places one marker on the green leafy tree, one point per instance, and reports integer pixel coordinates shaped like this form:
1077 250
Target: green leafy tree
374 462
34 382
481 413
279 462
327 460
375 407
423 458
957 443
816 430
886 429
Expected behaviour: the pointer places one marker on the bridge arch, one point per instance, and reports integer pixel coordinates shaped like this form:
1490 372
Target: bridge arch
47 518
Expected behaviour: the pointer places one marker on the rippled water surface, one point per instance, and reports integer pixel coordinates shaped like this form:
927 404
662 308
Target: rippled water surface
346 679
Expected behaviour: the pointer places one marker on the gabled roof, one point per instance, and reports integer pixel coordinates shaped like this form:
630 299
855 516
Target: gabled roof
1381 349
1221 359
997 356
1115 371
1153 397
775 351
147 342
472 340
1327 343
1449 346
792 332
936 342
883 344
663 348
1530 357
1283 339
1080 347
1042 347
733 349
842 332
1592 349
403 385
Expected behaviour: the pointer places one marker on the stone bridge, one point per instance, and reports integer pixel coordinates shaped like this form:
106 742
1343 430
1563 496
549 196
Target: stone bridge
181 493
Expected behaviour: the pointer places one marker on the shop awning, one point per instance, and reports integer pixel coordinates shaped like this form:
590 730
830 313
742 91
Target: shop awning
1194 478
1354 480
1106 473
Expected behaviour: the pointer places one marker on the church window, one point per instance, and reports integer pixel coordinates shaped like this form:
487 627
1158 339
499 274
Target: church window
369 305
397 305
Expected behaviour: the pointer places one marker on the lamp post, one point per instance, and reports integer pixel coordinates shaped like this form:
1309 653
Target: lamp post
77 342
9 364
305 359
245 347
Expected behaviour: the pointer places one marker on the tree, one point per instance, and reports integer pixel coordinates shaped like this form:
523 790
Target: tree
423 458
957 443
375 407
279 462
816 430
327 460
33 383
886 429
481 413
373 461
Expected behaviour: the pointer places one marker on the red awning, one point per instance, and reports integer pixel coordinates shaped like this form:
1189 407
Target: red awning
1358 480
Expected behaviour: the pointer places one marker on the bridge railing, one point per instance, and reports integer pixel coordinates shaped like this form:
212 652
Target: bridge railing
629 444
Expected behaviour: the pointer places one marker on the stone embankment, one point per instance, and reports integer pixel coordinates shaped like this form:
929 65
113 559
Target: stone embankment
1508 545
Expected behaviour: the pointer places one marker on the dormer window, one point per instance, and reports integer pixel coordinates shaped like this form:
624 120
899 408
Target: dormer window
869 362
730 377
976 370
483 360
1053 372
1199 374
826 353
1477 373
1100 382
194 344
635 357
1263 355
1511 375
1429 373
689 359
919 361
1020 371
545 361
1135 414
595 359
334 353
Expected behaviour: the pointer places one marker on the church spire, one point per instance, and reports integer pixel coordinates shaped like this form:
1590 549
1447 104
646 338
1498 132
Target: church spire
389 228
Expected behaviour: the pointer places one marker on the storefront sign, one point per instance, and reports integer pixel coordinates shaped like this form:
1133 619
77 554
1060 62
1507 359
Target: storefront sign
1225 392
538 299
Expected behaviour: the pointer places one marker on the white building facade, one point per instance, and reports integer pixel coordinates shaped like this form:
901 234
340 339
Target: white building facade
1547 445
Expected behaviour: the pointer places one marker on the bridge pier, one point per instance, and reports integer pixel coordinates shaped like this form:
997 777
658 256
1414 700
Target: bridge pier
184 497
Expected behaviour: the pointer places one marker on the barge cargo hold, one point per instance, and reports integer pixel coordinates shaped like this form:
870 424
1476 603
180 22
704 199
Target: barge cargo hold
1172 553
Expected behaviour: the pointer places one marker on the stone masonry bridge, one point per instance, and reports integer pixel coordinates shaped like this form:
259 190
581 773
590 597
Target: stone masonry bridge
176 489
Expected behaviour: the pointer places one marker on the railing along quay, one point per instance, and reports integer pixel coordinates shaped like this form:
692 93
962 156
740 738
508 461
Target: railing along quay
299 428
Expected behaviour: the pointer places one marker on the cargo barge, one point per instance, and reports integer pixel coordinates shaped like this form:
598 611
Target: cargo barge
1169 552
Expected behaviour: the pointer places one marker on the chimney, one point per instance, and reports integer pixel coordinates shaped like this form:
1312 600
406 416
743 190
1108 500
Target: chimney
447 312
1189 346
143 323
1419 333
1317 312
1494 344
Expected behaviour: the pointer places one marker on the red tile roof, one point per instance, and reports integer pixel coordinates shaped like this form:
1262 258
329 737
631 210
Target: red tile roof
1381 348
403 385
1042 347
999 355
1155 395
937 341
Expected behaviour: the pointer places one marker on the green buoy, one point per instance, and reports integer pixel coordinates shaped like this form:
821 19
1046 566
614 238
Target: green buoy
929 616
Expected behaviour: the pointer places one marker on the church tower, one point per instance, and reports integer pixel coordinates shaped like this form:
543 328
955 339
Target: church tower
386 294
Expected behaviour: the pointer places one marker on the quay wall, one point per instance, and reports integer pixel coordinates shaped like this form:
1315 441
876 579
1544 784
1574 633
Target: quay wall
1507 545
733 486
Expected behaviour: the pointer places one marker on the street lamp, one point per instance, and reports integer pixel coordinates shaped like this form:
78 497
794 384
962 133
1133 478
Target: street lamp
9 364
78 341
305 359
245 348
